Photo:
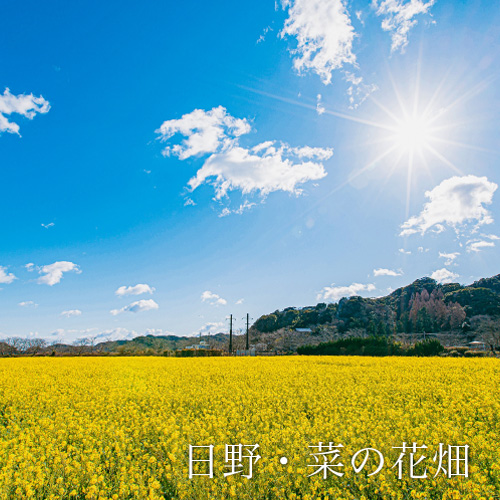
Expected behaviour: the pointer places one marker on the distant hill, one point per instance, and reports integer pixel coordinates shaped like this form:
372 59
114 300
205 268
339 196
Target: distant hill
160 343
456 314
424 306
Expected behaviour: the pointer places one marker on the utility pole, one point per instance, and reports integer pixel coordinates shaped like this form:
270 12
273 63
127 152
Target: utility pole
248 340
231 334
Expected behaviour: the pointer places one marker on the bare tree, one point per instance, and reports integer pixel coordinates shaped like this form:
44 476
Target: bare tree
16 345
33 346
157 345
488 329
80 345
20 345
6 349
91 342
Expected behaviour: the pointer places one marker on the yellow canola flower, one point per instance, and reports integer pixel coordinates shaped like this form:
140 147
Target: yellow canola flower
120 428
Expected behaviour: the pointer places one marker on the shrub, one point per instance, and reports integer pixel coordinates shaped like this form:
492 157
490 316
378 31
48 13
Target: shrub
474 354
430 347
372 346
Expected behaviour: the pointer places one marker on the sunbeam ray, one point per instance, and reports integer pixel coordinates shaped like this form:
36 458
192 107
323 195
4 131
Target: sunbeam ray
443 159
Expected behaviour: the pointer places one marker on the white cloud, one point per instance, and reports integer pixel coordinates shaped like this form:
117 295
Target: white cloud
398 18
491 236
306 152
5 277
210 328
238 169
85 331
53 273
485 241
450 257
335 293
478 245
189 202
90 335
30 267
50 224
158 331
24 105
71 313
324 35
213 299
386 272
240 301
116 334
204 132
264 146
454 202
444 276
320 109
263 169
405 252
134 290
246 205
262 37
57 336
138 306
225 212
358 91
27 303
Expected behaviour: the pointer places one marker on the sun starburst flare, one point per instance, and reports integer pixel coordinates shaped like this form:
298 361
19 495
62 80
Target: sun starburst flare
412 131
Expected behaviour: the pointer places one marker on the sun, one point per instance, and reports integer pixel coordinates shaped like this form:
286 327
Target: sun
413 133
409 132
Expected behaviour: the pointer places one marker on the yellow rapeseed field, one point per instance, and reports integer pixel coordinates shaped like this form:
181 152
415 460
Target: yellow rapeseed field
120 428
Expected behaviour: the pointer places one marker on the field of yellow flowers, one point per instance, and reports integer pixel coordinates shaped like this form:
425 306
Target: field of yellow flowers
121 428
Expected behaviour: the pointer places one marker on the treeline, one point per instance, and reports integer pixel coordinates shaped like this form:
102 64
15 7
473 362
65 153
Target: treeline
145 345
296 318
16 345
424 306
372 346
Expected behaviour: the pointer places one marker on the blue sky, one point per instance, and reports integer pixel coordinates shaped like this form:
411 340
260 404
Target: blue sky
166 164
